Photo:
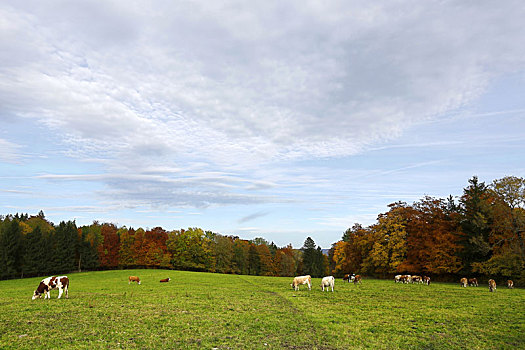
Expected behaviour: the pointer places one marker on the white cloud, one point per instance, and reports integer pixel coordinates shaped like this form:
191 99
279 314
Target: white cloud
237 86
10 152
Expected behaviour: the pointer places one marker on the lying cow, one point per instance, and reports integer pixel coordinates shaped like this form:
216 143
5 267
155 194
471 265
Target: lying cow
357 279
492 285
328 281
463 282
133 279
165 280
473 282
426 280
301 280
349 278
48 284
510 284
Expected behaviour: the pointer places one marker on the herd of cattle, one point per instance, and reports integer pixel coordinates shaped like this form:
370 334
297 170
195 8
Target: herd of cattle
62 283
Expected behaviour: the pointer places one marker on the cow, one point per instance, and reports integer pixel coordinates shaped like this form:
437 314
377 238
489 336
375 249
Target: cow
426 280
327 282
492 285
165 280
407 279
417 279
357 279
463 282
48 284
510 284
473 282
301 280
398 278
133 279
349 278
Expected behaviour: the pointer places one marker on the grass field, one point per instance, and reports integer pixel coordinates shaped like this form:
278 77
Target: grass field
204 310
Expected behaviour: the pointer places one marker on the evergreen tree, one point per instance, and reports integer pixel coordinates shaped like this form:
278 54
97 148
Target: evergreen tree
310 258
64 250
475 224
34 253
10 248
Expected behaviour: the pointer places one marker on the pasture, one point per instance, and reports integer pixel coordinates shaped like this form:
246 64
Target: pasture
205 310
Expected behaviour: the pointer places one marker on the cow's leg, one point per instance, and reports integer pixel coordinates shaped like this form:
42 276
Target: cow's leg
67 293
60 291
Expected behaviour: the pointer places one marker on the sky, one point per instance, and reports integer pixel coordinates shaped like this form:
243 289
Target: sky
274 119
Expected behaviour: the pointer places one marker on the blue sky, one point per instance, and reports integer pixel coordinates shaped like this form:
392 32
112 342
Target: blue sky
280 120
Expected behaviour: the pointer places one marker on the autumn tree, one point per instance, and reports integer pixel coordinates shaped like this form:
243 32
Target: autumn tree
224 254
190 249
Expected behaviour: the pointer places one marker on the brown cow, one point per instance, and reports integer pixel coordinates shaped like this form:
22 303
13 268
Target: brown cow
301 280
165 280
510 284
492 285
133 279
426 280
463 282
473 282
357 279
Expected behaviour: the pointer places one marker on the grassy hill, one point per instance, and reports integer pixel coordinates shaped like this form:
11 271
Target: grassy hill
204 310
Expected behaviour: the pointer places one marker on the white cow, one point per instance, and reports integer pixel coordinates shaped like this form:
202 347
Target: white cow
302 280
328 281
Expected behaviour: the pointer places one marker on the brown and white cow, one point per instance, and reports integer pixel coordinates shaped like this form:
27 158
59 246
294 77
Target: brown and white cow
48 284
307 279
417 279
165 280
357 279
492 285
349 278
426 280
327 282
510 284
463 282
398 278
473 282
133 279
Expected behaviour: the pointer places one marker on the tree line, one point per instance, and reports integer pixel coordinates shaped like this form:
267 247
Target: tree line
479 234
33 246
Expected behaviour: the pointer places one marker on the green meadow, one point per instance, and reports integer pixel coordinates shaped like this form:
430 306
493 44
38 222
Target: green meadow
206 311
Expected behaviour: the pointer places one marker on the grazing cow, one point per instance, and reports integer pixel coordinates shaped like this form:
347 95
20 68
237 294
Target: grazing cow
398 278
165 280
133 279
492 285
463 282
349 278
510 284
407 279
473 282
328 281
357 279
301 280
417 279
47 284
426 280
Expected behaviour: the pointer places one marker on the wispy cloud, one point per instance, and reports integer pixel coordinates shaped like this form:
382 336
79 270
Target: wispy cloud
252 217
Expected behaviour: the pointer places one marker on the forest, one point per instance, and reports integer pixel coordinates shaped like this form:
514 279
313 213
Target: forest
480 233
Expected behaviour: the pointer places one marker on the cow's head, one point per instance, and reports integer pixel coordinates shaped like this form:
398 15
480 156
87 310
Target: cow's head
36 294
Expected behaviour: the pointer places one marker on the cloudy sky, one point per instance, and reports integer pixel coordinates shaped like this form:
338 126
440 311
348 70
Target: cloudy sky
281 120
